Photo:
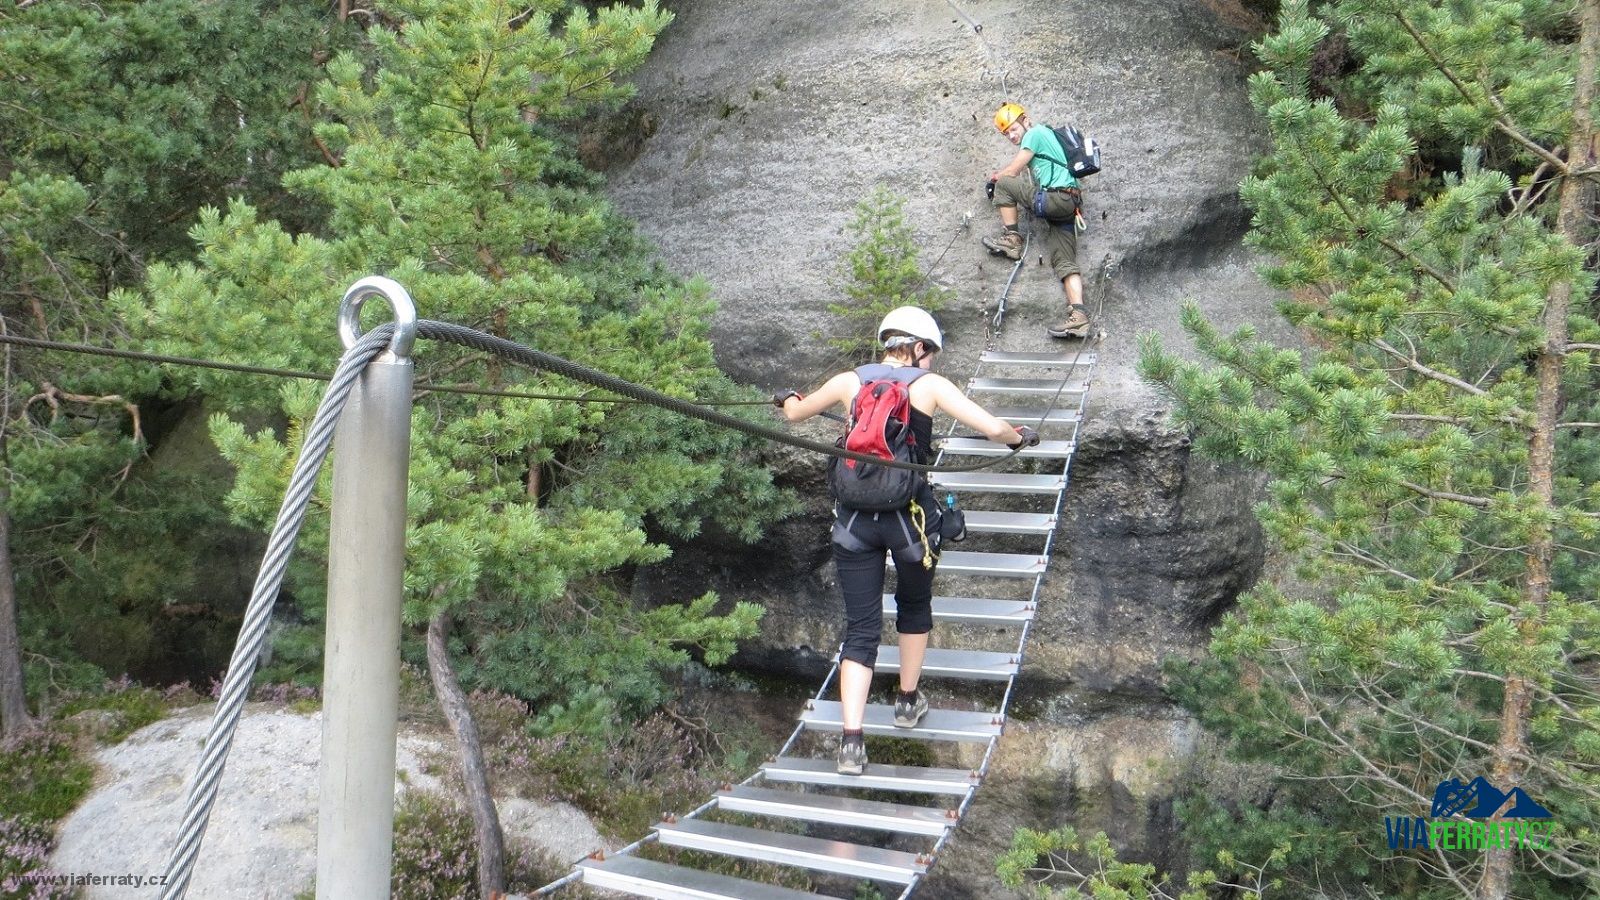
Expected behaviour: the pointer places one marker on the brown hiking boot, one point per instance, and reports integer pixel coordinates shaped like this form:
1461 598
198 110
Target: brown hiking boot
1008 244
1076 325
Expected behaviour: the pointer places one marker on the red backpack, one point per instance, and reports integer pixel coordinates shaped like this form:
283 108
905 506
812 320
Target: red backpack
880 425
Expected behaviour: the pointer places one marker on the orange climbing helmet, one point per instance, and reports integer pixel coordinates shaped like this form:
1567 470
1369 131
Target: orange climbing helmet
1007 115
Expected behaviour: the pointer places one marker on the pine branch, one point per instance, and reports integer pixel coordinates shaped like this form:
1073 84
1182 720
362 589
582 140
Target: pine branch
1517 414
1503 119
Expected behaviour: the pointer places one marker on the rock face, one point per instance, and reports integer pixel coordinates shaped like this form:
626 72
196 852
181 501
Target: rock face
771 120
261 842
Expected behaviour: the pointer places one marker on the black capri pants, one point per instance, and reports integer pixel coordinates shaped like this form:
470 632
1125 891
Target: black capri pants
859 541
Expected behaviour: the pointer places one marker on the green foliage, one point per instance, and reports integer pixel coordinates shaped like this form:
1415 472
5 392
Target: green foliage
132 708
24 849
669 761
43 775
458 179
1425 259
434 852
880 272
121 120
1057 864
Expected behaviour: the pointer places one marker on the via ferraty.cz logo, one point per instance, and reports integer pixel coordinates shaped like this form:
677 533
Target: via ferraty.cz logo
1523 823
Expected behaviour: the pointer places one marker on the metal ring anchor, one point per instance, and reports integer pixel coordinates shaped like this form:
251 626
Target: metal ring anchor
405 313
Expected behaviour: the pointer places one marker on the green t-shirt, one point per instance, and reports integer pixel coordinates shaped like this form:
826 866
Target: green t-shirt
1042 141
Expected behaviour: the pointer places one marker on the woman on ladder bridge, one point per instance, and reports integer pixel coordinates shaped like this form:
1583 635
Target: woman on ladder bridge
882 510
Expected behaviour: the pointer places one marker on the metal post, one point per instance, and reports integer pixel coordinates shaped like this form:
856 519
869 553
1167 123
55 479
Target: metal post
366 562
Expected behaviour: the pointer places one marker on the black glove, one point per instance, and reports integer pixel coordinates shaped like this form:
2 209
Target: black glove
1030 438
782 397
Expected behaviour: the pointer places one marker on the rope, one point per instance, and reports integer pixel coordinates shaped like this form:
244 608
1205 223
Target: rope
527 356
253 632
316 376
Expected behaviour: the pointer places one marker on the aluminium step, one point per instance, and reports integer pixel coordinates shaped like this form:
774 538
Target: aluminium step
977 665
1002 565
647 878
962 726
983 521
1044 386
1037 358
974 610
1031 415
994 565
818 854
985 447
902 818
997 482
877 777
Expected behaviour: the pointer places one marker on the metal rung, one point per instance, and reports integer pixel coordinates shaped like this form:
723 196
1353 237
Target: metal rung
983 521
937 725
646 878
978 665
1037 359
1047 386
1017 415
899 817
793 850
973 610
877 777
998 482
1001 565
981 447
997 565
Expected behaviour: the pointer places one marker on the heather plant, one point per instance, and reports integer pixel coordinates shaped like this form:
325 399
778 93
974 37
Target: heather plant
433 849
131 707
43 775
24 853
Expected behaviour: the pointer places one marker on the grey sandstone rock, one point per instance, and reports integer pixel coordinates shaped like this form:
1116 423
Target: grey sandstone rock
261 842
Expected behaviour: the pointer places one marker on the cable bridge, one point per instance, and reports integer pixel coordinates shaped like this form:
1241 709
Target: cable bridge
795 815
797 811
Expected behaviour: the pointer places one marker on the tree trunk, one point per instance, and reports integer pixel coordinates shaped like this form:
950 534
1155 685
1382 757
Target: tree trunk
1516 710
13 698
485 821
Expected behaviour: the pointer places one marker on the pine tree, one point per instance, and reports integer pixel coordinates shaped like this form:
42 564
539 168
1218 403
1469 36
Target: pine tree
1432 465
880 272
456 175
117 121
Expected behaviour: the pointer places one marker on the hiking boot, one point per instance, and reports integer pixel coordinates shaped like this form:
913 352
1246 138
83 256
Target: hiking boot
1008 244
907 713
1076 325
852 756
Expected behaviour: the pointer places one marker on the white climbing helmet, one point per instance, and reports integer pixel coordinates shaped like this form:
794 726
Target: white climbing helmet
914 321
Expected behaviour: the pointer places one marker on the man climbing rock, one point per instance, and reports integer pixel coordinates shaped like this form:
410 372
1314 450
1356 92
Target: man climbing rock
1040 169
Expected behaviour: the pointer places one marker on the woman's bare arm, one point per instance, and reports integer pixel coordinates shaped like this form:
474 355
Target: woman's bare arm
951 400
838 389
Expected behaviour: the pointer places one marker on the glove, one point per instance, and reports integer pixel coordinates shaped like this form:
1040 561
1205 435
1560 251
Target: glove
1030 438
782 397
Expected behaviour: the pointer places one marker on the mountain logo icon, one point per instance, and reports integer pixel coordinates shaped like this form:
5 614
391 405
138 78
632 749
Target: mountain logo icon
1479 799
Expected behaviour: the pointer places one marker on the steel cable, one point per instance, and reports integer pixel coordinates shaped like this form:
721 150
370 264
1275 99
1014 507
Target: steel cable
457 334
253 632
